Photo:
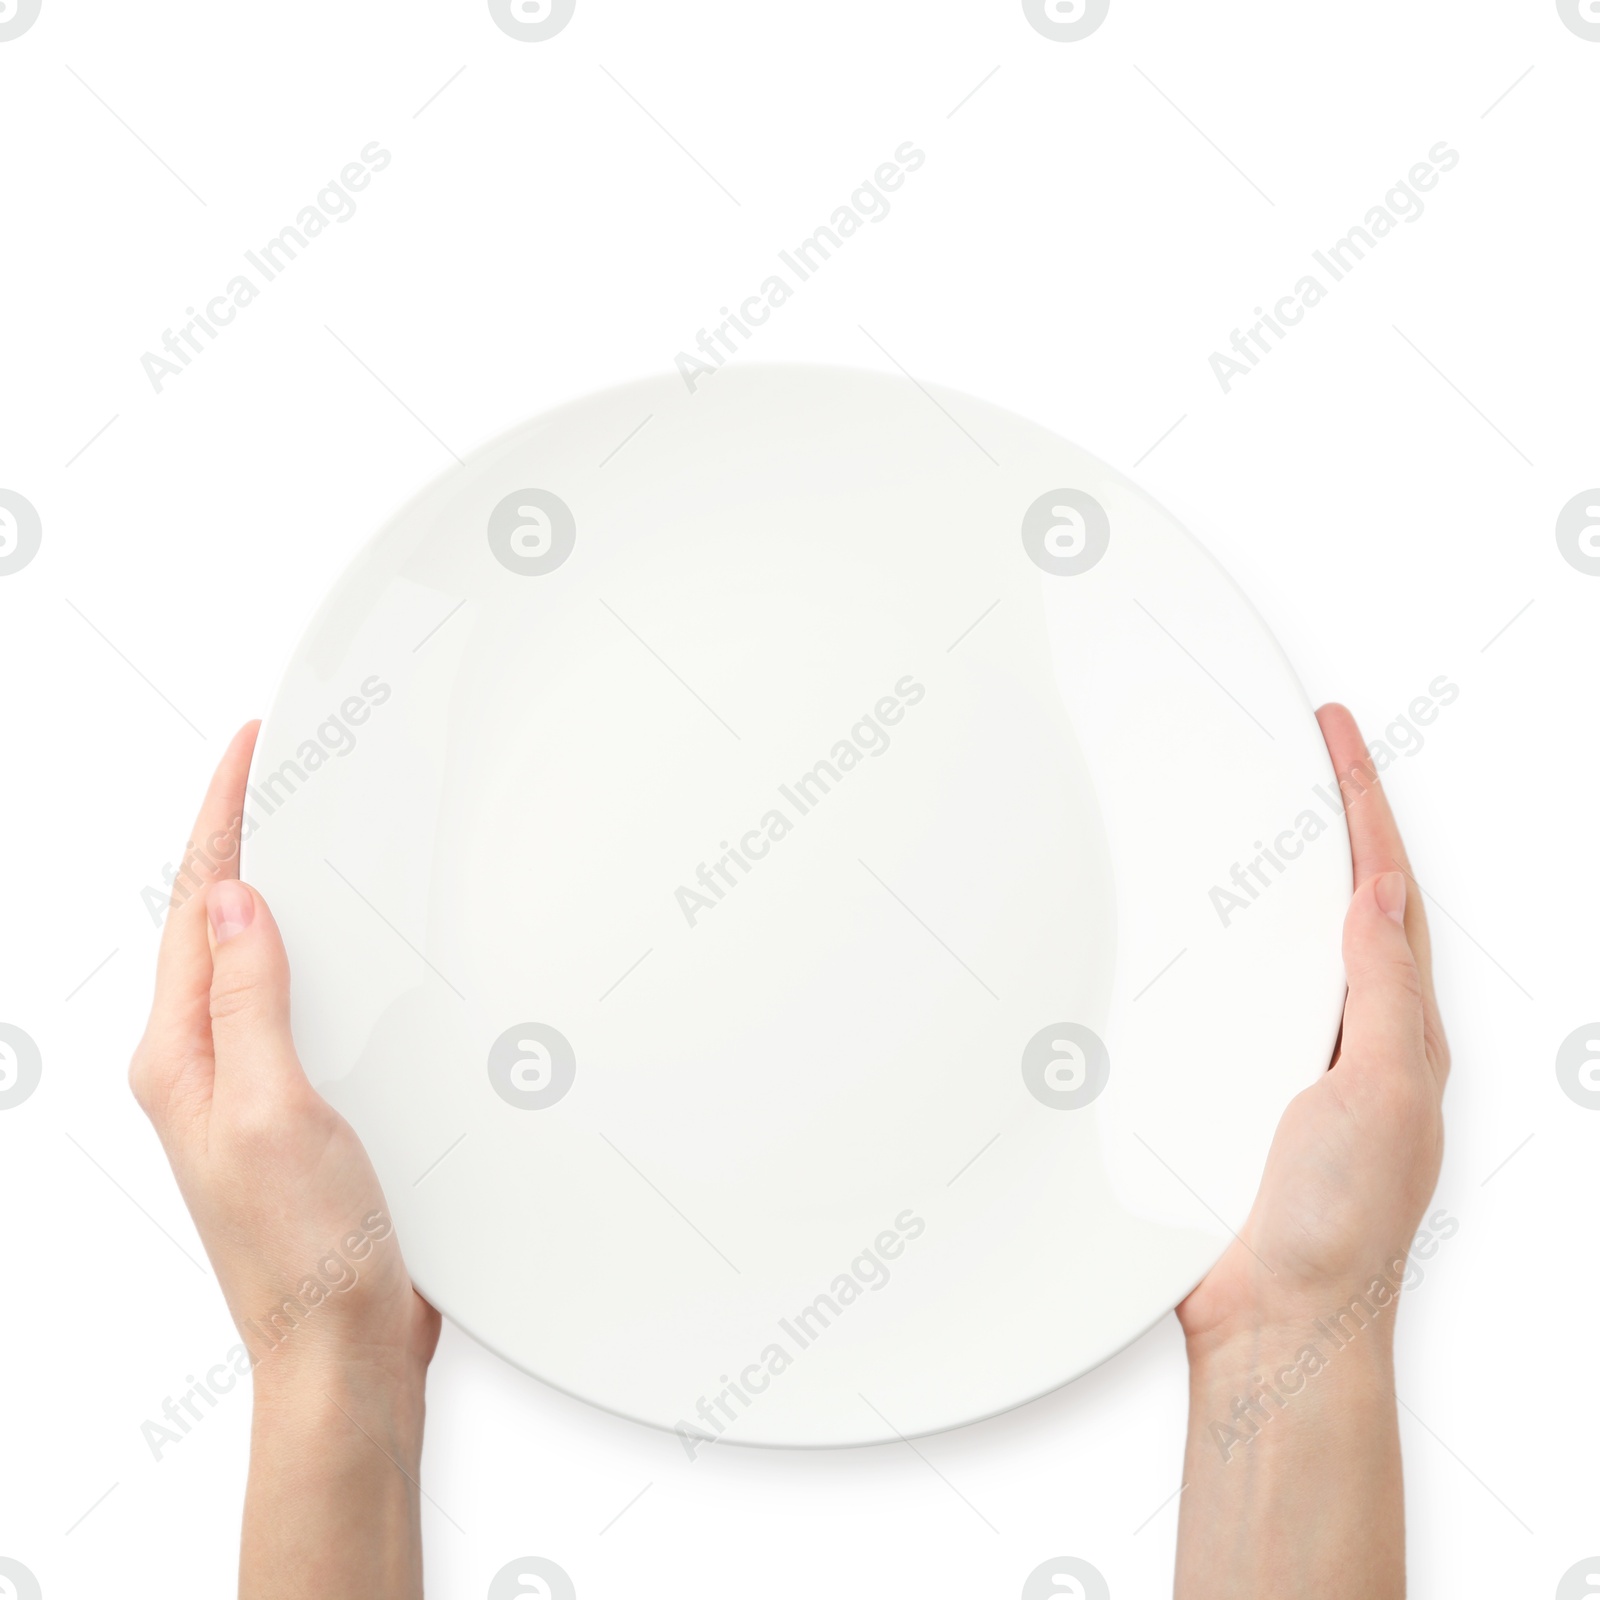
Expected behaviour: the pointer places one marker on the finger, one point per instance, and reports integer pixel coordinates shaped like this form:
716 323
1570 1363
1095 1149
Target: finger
1383 1021
1376 847
1375 844
178 1034
248 1001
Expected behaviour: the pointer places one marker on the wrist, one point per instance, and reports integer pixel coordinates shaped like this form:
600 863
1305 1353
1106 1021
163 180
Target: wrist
1341 1319
1292 1463
302 1388
335 1493
1319 1365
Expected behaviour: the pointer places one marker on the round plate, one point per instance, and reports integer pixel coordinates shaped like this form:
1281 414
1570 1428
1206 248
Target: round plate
814 892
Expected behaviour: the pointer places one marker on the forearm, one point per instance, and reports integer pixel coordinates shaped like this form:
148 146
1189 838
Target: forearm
332 1508
1292 1467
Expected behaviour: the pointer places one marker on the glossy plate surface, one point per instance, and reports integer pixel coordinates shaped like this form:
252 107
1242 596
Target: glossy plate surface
756 879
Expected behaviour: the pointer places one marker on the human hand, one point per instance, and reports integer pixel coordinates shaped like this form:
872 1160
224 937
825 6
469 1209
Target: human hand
285 1199
1356 1155
293 1219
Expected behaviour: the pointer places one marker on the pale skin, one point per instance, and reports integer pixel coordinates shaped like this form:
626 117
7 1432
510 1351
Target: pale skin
275 1179
1306 1504
1312 1506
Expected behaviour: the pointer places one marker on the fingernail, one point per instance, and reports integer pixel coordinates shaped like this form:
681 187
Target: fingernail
1391 893
231 908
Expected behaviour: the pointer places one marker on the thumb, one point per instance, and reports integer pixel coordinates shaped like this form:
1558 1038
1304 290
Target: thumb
250 1036
1383 1011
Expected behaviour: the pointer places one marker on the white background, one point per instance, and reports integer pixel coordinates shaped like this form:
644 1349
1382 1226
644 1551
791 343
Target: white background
1384 486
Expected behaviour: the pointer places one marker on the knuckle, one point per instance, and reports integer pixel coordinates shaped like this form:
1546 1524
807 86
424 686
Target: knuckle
1437 1046
234 997
269 1127
140 1079
1402 974
1369 969
151 1072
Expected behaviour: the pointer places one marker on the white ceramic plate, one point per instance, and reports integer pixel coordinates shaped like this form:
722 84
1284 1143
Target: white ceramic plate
751 862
